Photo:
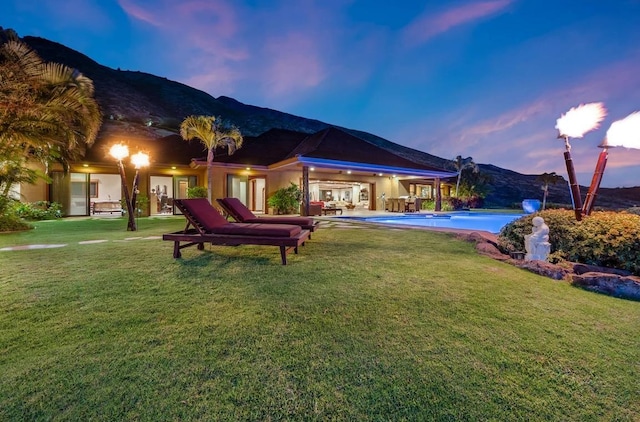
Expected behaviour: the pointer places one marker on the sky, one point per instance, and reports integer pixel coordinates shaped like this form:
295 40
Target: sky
485 79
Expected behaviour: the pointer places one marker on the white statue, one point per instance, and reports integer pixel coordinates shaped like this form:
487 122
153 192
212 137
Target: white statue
537 243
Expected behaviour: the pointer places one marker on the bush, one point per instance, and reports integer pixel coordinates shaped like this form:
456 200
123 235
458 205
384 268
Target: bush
604 238
197 192
40 210
9 219
464 202
430 205
11 222
286 200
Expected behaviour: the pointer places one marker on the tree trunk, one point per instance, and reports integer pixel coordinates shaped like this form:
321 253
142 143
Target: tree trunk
131 221
210 175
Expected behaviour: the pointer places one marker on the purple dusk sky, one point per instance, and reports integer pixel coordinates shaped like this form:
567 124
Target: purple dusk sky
485 79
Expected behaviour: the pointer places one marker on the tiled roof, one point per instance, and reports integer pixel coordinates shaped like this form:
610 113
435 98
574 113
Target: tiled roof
335 144
270 147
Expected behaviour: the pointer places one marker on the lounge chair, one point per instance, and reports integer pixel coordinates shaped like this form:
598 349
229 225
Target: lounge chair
209 226
242 214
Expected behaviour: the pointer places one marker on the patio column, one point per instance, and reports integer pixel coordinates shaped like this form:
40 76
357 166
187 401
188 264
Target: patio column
438 195
305 191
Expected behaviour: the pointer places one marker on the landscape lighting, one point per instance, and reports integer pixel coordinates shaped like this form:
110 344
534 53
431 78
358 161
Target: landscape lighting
138 160
574 124
120 152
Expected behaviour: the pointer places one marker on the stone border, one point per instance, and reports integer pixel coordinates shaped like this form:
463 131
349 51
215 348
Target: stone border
609 281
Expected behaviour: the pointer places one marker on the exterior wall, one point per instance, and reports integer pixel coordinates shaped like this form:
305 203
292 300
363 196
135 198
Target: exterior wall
33 192
380 186
36 192
40 190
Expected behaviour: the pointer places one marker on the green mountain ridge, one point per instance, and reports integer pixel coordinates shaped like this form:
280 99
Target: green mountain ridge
138 104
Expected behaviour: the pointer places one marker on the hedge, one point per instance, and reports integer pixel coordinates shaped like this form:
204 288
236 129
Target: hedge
604 238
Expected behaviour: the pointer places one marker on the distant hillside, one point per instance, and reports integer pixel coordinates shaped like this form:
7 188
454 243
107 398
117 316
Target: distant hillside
138 104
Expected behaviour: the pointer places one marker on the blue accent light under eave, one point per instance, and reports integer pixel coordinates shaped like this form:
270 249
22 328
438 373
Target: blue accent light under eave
350 165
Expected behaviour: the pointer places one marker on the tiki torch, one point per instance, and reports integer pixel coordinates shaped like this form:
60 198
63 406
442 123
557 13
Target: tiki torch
596 179
574 124
624 133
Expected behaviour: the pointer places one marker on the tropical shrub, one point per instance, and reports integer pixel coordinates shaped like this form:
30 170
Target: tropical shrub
458 203
286 200
430 205
9 222
197 192
604 238
39 210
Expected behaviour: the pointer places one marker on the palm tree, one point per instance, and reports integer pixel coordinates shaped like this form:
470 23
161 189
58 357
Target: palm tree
460 164
212 134
547 179
47 110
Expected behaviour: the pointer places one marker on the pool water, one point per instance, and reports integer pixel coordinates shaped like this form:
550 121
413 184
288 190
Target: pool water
457 220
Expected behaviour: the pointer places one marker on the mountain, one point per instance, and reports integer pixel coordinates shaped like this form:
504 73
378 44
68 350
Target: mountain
138 104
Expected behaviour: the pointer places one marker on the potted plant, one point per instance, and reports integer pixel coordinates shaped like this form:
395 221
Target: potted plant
286 200
197 192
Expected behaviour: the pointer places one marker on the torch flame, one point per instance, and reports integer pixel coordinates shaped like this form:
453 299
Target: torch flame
580 120
119 151
140 159
625 132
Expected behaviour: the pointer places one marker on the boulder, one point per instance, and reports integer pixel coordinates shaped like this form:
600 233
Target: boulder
609 281
627 287
544 268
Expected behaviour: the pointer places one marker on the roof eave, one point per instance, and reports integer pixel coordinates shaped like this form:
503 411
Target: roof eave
202 163
350 165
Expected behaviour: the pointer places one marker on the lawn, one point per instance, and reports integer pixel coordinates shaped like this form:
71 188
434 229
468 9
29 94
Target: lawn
365 323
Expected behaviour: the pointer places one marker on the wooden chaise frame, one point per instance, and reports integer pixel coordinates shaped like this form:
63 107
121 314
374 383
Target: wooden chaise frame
242 214
198 235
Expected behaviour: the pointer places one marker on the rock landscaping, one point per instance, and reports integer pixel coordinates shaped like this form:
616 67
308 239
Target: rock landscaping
609 281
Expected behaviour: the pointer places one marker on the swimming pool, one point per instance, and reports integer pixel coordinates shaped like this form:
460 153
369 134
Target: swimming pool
456 220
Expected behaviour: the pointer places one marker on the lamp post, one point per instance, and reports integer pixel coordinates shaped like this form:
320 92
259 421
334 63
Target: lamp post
574 124
139 160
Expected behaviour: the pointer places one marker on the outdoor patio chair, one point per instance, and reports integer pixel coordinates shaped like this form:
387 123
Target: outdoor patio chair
209 226
401 205
242 214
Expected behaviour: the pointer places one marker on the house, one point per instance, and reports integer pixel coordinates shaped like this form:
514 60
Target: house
330 165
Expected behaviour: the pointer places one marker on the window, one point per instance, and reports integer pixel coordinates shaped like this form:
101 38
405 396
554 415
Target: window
93 189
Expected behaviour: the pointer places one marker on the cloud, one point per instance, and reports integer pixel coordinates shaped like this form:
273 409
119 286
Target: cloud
429 25
523 138
294 64
141 13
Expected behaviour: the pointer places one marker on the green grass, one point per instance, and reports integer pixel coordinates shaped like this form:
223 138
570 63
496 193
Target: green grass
363 324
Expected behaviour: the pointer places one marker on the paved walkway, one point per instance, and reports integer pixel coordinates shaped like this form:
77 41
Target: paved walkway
84 242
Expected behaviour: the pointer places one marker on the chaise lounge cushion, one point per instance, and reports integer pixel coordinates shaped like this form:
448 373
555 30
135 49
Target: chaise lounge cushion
244 215
213 222
257 229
